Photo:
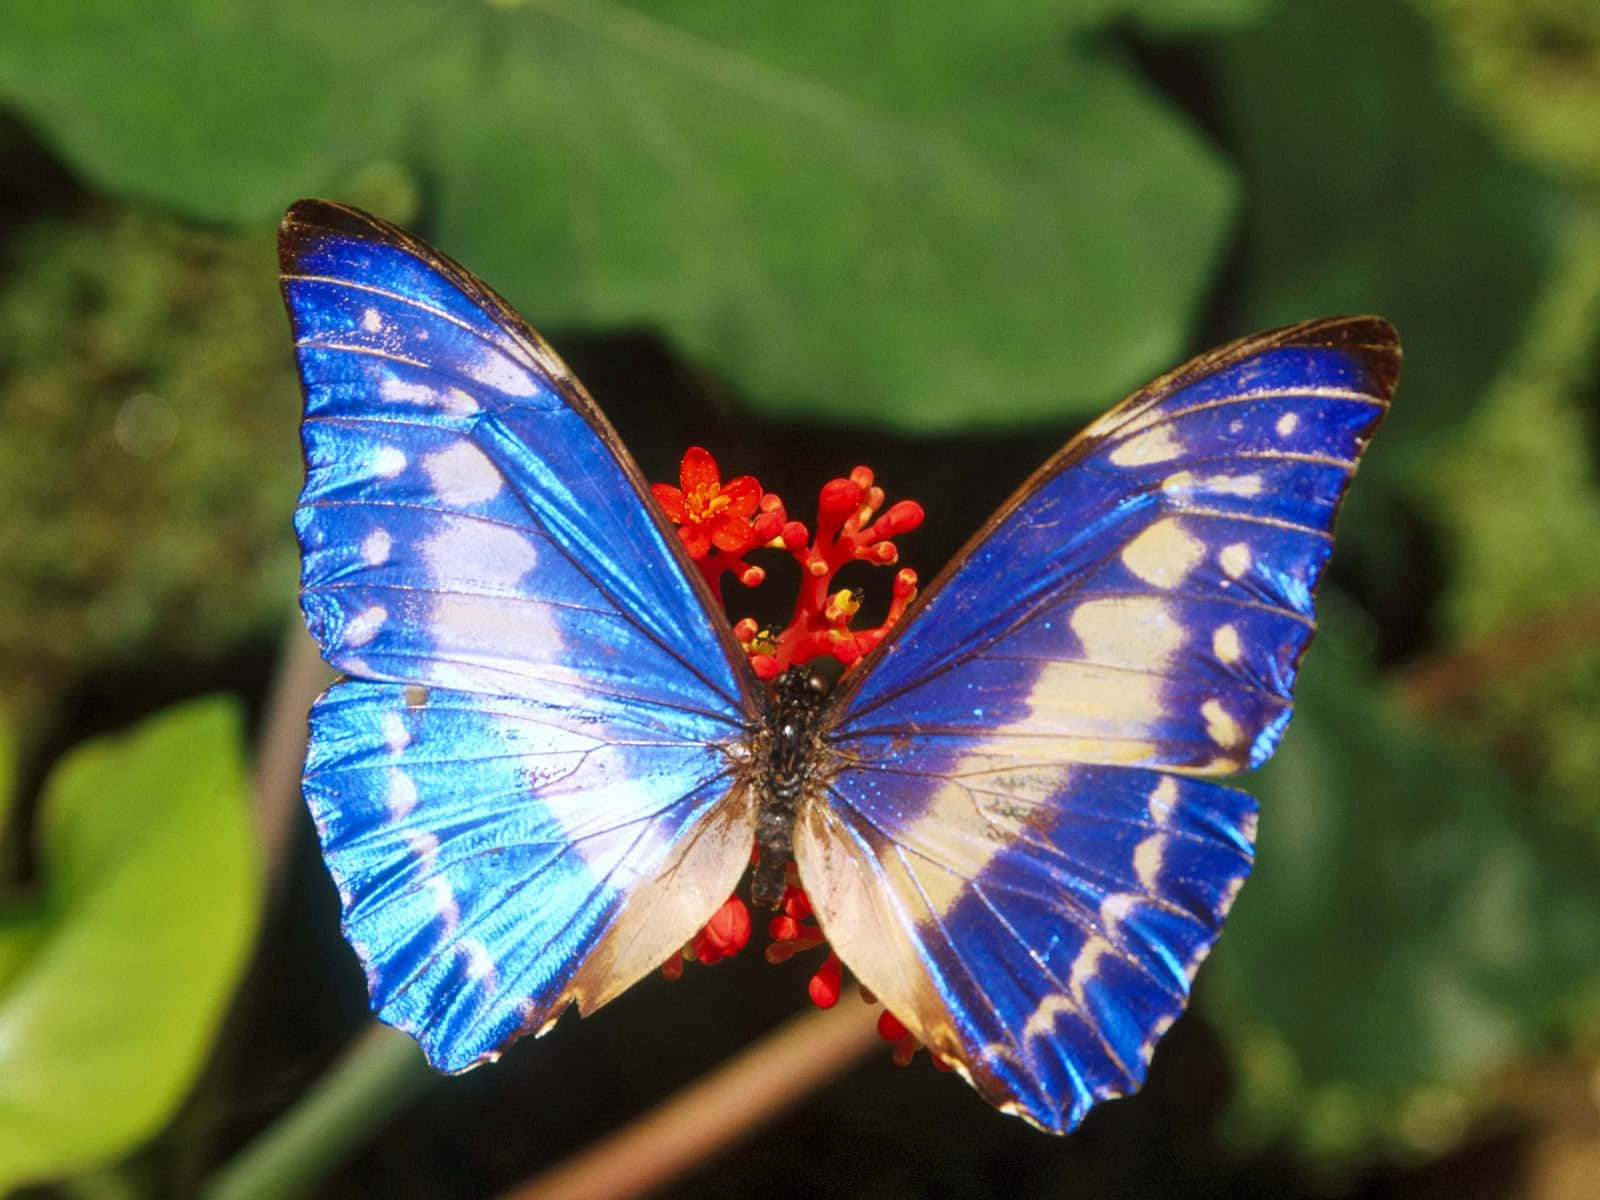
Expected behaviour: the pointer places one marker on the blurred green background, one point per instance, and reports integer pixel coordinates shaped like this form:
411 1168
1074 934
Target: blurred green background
936 240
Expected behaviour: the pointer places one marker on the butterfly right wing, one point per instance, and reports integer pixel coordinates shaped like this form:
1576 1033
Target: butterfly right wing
1014 850
529 791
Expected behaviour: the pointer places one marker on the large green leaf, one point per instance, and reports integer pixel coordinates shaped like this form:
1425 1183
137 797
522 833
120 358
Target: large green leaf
1517 494
1171 16
116 973
1374 191
957 214
1405 931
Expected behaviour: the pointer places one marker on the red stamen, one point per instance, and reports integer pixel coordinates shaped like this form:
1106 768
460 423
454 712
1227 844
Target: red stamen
796 903
729 927
783 929
827 982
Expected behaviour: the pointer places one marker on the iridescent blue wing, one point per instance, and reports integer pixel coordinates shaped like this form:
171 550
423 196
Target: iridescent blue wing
526 791
1014 851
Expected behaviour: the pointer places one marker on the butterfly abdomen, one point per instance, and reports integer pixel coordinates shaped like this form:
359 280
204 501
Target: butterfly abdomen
787 752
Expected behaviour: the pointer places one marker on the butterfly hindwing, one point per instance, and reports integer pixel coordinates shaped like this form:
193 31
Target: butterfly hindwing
497 857
542 704
1036 926
1001 856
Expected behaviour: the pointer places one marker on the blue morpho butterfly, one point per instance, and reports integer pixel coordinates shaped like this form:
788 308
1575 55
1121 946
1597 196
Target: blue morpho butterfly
550 757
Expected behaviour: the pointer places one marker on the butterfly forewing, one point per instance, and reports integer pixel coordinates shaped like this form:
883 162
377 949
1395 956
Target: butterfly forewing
1146 597
543 706
998 854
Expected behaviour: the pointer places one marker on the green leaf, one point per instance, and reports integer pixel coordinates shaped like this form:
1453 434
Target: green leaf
1531 68
1174 16
1404 932
963 216
1375 192
1517 494
120 968
1516 487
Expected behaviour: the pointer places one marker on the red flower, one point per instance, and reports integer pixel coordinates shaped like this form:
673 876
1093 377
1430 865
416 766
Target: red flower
707 511
849 529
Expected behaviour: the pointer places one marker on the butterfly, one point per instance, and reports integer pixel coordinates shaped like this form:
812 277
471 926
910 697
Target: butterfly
548 759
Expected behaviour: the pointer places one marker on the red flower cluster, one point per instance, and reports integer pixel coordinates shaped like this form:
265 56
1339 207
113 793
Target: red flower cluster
722 522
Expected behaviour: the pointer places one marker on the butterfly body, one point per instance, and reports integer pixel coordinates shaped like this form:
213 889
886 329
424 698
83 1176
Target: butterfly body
550 758
792 762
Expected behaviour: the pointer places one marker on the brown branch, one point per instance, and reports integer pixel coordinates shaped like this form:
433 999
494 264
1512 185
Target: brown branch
716 1110
281 745
1444 680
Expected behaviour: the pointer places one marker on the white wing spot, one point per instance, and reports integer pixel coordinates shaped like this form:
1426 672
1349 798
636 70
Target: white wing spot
1132 631
1147 859
479 965
402 796
401 391
485 556
395 734
1234 485
1042 1021
375 548
1287 424
1187 482
425 846
372 321
463 475
1116 908
456 401
1163 799
1220 725
365 625
1087 965
444 902
496 370
1163 553
1225 644
1148 1050
388 462
1156 445
1235 559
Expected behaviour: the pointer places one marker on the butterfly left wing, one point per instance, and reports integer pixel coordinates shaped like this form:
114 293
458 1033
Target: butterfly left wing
1014 849
528 790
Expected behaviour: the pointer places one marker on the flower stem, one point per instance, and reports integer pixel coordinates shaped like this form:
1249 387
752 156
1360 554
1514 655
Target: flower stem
379 1074
714 1111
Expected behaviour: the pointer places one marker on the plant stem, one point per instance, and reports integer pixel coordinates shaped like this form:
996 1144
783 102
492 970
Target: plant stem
716 1110
379 1074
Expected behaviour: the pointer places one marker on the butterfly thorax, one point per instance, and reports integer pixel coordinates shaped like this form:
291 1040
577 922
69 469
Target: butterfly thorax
788 749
